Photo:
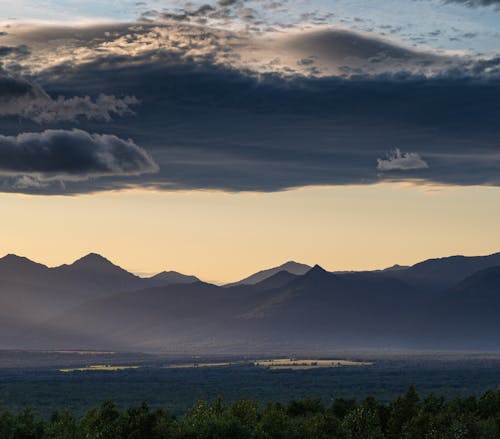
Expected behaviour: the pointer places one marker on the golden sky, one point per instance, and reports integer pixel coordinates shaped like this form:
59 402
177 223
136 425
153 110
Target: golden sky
223 237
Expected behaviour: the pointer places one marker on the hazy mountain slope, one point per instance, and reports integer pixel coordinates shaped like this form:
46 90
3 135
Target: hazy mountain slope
445 272
31 293
171 277
96 275
159 318
80 306
466 315
276 280
322 307
290 267
316 308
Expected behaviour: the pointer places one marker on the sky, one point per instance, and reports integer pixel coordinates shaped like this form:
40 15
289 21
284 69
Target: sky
220 138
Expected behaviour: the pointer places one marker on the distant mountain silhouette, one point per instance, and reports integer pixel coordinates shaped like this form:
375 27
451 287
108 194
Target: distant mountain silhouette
95 263
31 292
396 267
18 267
444 272
290 267
484 282
316 309
98 274
275 281
92 303
326 309
172 277
465 316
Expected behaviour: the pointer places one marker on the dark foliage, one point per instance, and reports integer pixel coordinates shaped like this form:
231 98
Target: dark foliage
408 416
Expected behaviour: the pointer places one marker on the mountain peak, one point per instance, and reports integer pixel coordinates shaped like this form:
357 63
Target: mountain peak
396 267
317 269
318 272
12 259
92 259
95 262
290 266
172 277
97 270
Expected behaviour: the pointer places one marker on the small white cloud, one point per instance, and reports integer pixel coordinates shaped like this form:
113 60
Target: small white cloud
401 161
29 182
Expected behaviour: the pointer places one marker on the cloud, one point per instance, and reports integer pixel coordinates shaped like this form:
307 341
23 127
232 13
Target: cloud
338 51
401 161
18 52
199 14
21 98
33 159
214 118
335 51
476 3
224 11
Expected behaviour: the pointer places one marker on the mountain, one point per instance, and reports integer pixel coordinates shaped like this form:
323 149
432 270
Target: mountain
466 315
326 309
484 284
290 267
171 277
97 275
95 304
277 280
31 293
396 267
317 310
444 272
13 266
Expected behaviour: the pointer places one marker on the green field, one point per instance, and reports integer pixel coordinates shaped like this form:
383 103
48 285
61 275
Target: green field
34 379
98 368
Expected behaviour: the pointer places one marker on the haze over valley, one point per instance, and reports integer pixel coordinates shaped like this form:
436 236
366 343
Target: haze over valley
438 304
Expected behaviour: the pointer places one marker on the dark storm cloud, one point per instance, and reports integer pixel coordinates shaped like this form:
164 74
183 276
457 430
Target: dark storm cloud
217 128
70 156
213 125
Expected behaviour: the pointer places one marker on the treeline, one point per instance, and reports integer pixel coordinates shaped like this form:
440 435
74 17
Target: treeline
408 416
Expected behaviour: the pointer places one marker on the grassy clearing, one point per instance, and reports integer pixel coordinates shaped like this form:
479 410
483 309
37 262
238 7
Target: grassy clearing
297 364
194 365
277 363
98 368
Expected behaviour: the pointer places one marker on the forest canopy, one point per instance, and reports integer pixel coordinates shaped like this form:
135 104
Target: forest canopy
408 416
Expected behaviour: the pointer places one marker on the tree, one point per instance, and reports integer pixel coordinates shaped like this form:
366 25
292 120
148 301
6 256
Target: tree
402 411
362 423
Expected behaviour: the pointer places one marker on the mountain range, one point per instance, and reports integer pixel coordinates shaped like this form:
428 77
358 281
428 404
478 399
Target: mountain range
447 303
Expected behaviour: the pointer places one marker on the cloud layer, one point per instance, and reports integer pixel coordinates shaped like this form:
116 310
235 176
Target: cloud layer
476 3
233 110
70 156
20 98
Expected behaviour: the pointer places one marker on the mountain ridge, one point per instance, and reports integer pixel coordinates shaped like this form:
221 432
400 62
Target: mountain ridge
93 303
289 266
